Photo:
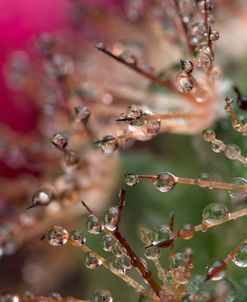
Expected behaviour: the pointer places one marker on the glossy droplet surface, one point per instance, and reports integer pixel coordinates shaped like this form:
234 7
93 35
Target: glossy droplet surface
110 218
107 243
116 264
82 112
216 270
102 295
129 58
134 111
93 225
208 135
236 194
77 238
203 56
42 197
240 258
91 261
232 151
71 159
214 212
218 146
108 144
152 253
163 233
57 236
126 262
118 250
214 35
60 140
187 231
164 182
184 83
131 179
187 66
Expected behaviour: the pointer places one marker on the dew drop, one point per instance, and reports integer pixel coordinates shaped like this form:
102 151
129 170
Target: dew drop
93 225
77 238
131 179
214 212
71 159
214 35
110 218
100 45
82 112
102 295
60 140
236 194
232 151
146 235
91 261
203 56
108 144
57 236
240 258
134 111
216 270
128 58
184 83
42 198
107 243
116 264
126 262
187 66
187 231
118 250
164 182
208 135
218 146
152 253
163 233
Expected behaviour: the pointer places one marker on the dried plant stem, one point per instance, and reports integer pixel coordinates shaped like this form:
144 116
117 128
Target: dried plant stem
138 287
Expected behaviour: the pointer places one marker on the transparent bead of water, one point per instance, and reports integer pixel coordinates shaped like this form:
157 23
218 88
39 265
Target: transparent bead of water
118 250
91 261
57 236
214 212
100 45
203 56
116 264
198 28
60 140
126 262
153 127
71 159
218 146
239 123
184 83
164 182
128 58
214 35
232 151
77 238
152 253
107 243
108 144
216 270
110 218
42 197
180 275
93 225
102 295
82 112
179 260
208 135
187 231
240 258
163 233
134 111
187 66
146 235
236 194
131 179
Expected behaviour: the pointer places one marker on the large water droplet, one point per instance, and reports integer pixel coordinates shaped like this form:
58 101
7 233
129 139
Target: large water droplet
110 218
232 151
152 253
134 111
93 225
236 194
214 212
183 82
108 144
60 140
107 242
42 197
102 296
240 258
164 182
91 261
208 135
57 236
131 179
203 56
216 270
187 231
77 238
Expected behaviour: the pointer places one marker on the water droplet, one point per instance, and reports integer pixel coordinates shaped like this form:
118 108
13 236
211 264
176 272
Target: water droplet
60 140
164 182
108 144
239 123
118 250
203 56
107 243
110 218
126 262
146 235
184 83
208 135
187 231
42 198
180 275
116 264
57 236
77 238
218 146
71 159
134 111
187 66
179 260
216 270
82 112
235 193
91 261
163 233
93 225
232 151
128 58
240 258
214 35
8 297
214 212
102 295
100 45
198 28
131 179
152 253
